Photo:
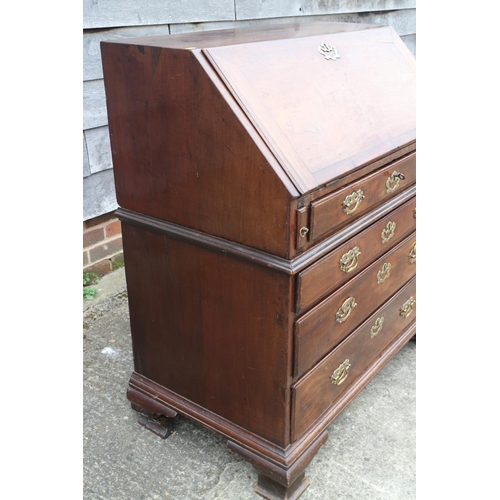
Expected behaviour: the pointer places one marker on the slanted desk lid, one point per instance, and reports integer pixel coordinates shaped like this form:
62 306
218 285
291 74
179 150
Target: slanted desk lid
324 118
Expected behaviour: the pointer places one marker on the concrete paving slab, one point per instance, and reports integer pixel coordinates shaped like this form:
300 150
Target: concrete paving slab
370 454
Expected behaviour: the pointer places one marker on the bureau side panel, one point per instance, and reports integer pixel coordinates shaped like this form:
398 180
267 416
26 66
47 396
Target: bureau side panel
184 152
212 328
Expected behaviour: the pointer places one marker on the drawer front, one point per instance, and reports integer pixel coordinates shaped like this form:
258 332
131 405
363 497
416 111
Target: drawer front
342 207
349 259
319 330
321 387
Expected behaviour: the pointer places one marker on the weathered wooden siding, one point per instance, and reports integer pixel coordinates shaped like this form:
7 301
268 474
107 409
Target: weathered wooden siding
112 19
99 194
107 13
403 21
258 9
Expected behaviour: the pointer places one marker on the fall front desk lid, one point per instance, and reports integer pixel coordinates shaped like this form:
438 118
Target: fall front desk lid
324 104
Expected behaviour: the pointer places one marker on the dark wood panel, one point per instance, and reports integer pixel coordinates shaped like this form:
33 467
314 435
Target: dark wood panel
212 328
328 213
320 249
256 256
314 393
318 331
182 153
326 274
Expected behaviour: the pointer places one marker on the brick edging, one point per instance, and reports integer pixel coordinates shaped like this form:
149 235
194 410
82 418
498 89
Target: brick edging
102 244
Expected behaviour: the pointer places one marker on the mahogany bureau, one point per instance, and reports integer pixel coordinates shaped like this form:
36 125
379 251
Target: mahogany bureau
266 184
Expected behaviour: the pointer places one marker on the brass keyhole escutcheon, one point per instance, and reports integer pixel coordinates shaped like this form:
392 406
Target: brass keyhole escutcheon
340 374
303 231
388 231
393 181
349 260
383 274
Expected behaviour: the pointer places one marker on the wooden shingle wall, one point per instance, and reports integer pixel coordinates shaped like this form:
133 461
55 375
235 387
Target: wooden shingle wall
111 19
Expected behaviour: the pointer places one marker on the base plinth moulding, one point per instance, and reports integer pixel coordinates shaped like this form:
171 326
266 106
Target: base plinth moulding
281 470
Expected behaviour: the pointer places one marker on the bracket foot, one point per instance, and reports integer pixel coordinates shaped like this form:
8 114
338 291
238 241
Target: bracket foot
158 424
275 491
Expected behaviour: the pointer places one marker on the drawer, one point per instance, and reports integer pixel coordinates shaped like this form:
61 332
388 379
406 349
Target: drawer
321 387
323 327
349 259
347 204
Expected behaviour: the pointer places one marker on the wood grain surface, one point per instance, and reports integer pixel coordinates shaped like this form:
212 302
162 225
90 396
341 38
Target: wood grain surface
211 328
327 214
325 275
315 392
181 152
224 145
318 331
347 113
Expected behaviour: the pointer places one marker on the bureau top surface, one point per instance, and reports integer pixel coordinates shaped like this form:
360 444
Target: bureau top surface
236 36
321 118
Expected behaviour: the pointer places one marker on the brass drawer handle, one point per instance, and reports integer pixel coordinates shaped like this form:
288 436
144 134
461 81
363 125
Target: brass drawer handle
383 274
407 308
377 326
355 199
349 260
393 181
346 308
388 231
412 256
340 374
